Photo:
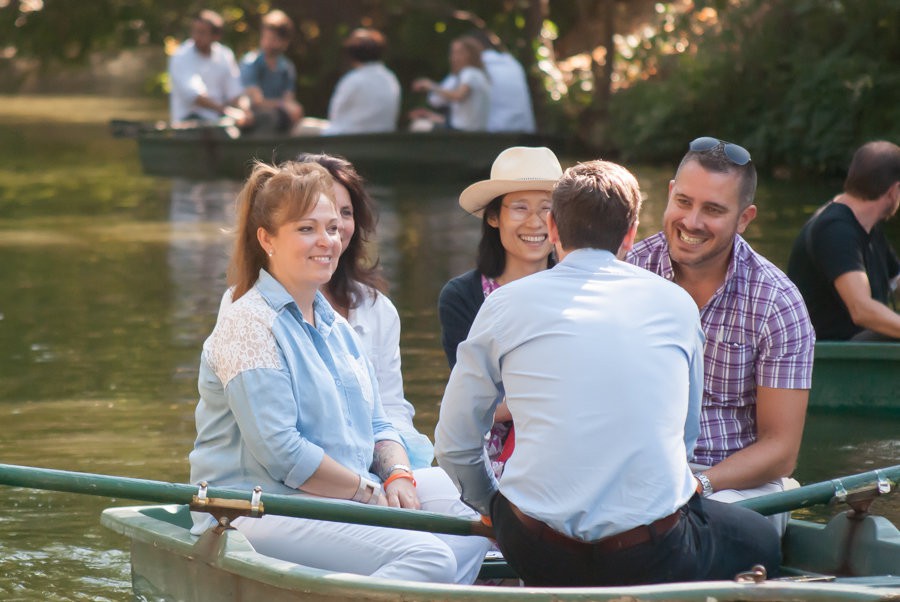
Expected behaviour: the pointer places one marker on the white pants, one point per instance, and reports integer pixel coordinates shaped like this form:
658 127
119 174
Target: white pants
733 495
377 551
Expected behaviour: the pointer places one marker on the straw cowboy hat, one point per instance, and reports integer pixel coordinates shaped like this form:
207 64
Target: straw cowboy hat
517 168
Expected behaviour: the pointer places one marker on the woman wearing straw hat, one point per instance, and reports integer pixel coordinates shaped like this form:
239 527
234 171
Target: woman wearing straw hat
513 206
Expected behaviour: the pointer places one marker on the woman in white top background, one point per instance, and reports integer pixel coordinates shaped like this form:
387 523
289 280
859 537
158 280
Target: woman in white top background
466 91
356 291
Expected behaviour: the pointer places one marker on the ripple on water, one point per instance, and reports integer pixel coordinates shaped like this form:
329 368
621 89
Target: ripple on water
62 572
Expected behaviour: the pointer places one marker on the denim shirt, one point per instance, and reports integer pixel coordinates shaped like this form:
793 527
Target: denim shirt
277 394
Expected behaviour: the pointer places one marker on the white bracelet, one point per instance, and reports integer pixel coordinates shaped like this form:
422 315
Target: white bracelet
366 492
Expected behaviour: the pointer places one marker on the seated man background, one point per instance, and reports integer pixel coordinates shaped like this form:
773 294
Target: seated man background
842 262
758 355
270 77
367 98
601 365
204 77
510 107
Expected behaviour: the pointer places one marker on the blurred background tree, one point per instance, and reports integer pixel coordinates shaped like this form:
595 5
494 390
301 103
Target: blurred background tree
799 82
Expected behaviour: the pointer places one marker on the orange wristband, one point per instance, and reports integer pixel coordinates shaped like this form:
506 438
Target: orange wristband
398 475
486 520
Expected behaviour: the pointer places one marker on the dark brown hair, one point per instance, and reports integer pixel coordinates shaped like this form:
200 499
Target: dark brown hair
365 45
874 169
354 270
717 161
594 205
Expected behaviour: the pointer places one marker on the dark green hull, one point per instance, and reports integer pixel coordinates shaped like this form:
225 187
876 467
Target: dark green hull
856 377
168 563
209 152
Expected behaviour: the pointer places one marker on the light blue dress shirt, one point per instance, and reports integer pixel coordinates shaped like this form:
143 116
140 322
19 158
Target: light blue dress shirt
277 394
601 363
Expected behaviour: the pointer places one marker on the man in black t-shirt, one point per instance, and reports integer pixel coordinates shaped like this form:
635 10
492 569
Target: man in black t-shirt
842 262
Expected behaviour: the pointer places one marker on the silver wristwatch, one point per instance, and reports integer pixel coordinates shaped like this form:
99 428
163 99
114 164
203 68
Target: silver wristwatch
704 483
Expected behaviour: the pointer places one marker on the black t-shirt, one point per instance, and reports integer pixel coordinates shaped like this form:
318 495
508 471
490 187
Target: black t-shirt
830 244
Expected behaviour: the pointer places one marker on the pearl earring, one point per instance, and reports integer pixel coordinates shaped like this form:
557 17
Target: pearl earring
271 253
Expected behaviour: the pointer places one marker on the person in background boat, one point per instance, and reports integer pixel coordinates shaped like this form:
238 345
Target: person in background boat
510 107
842 261
759 340
513 205
601 364
289 401
204 77
465 92
270 77
356 292
367 98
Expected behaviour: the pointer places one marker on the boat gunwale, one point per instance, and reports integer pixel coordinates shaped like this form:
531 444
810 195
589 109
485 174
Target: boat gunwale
241 559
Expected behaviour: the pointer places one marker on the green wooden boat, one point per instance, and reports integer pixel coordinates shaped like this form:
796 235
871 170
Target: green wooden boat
168 563
855 556
856 376
204 153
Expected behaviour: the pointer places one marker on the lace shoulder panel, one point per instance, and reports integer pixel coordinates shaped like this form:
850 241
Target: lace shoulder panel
243 340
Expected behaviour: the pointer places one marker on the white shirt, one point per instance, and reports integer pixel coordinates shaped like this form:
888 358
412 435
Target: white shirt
366 99
192 74
510 108
601 364
471 113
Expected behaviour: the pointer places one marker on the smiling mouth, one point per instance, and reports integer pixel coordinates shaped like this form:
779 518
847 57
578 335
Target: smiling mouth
535 238
691 240
322 258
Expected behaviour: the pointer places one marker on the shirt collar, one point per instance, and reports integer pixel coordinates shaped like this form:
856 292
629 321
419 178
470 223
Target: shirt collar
739 252
278 299
588 258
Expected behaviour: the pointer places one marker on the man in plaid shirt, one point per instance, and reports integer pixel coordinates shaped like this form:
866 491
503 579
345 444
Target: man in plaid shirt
758 356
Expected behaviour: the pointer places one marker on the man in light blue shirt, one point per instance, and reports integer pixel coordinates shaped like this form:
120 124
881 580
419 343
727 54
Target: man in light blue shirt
601 365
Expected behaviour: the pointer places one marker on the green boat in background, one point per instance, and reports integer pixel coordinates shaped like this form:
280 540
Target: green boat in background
217 152
856 376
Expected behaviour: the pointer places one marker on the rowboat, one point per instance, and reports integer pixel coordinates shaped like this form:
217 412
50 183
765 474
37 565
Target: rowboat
855 556
216 152
168 563
856 376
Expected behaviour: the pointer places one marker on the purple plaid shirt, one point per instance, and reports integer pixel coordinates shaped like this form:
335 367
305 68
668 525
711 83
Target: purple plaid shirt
758 333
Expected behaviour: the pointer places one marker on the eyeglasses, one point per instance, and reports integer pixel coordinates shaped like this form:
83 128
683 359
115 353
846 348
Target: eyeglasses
519 212
736 154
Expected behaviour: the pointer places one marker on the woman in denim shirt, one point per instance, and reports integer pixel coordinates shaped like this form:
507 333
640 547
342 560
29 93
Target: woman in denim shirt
290 402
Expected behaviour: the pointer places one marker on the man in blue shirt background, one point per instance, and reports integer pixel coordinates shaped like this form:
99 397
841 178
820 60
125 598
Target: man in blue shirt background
270 77
601 364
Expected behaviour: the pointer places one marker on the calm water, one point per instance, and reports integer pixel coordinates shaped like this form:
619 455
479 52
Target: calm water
111 281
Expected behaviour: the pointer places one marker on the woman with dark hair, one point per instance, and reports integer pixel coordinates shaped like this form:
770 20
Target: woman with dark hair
356 291
513 205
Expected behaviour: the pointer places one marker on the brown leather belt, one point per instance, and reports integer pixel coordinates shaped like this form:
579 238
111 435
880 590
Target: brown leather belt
619 541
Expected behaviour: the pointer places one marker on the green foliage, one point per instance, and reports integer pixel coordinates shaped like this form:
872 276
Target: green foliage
801 84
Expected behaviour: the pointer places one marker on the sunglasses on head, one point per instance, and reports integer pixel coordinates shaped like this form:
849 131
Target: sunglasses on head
736 154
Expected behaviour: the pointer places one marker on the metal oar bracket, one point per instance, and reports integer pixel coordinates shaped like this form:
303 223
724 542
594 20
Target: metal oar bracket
225 510
859 499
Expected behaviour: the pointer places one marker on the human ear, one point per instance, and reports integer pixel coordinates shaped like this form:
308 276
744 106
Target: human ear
747 216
